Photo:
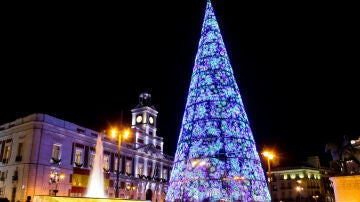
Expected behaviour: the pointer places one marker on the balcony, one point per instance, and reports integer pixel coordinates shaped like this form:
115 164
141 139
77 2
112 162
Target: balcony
55 161
79 165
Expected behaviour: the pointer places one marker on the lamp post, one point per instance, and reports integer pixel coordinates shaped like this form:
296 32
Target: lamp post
299 188
114 134
130 188
269 156
55 177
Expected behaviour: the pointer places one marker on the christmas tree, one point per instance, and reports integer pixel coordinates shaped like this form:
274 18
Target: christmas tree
216 156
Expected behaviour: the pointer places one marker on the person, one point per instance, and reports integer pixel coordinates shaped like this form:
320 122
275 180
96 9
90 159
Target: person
28 199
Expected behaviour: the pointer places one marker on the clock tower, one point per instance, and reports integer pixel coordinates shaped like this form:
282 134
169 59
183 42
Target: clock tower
143 122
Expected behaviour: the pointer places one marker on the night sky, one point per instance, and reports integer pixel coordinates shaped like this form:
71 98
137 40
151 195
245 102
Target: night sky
295 64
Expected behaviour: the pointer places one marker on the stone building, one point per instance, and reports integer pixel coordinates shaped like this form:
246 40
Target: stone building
308 182
44 155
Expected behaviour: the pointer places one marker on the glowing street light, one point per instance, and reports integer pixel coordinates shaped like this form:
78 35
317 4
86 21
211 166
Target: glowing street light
55 177
269 156
315 197
130 188
116 134
299 188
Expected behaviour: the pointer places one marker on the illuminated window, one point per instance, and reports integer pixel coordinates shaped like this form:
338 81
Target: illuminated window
92 157
7 153
128 167
116 164
78 156
106 162
141 169
165 174
56 151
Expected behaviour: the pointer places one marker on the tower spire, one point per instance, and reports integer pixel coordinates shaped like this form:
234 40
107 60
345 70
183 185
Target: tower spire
216 154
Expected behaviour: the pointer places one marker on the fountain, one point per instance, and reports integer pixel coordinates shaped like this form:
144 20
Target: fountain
95 187
95 191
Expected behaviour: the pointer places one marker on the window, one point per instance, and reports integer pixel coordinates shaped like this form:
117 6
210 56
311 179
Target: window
92 157
165 174
282 186
141 141
149 169
128 167
116 164
156 172
7 154
19 153
106 162
16 175
2 176
78 156
56 152
141 169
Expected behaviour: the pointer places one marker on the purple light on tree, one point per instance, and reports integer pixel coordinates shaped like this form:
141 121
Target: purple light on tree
216 156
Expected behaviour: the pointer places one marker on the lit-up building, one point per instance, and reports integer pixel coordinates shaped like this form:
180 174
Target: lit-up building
301 183
43 155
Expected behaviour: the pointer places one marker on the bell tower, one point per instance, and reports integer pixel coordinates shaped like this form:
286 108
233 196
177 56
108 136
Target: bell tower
143 122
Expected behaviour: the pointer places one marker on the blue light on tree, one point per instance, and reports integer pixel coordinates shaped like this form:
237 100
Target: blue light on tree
216 156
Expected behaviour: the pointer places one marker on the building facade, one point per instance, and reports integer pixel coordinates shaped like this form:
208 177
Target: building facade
43 155
293 184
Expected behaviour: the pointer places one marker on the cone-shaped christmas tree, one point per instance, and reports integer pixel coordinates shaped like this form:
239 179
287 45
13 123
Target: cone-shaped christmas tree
216 156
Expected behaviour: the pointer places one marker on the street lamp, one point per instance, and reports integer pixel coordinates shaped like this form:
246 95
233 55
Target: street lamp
130 188
299 188
115 133
269 156
55 177
316 197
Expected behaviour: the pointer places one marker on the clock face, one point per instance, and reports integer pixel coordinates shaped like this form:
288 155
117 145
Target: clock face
138 118
151 120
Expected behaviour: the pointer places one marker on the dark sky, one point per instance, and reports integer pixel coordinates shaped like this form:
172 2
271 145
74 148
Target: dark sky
295 64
